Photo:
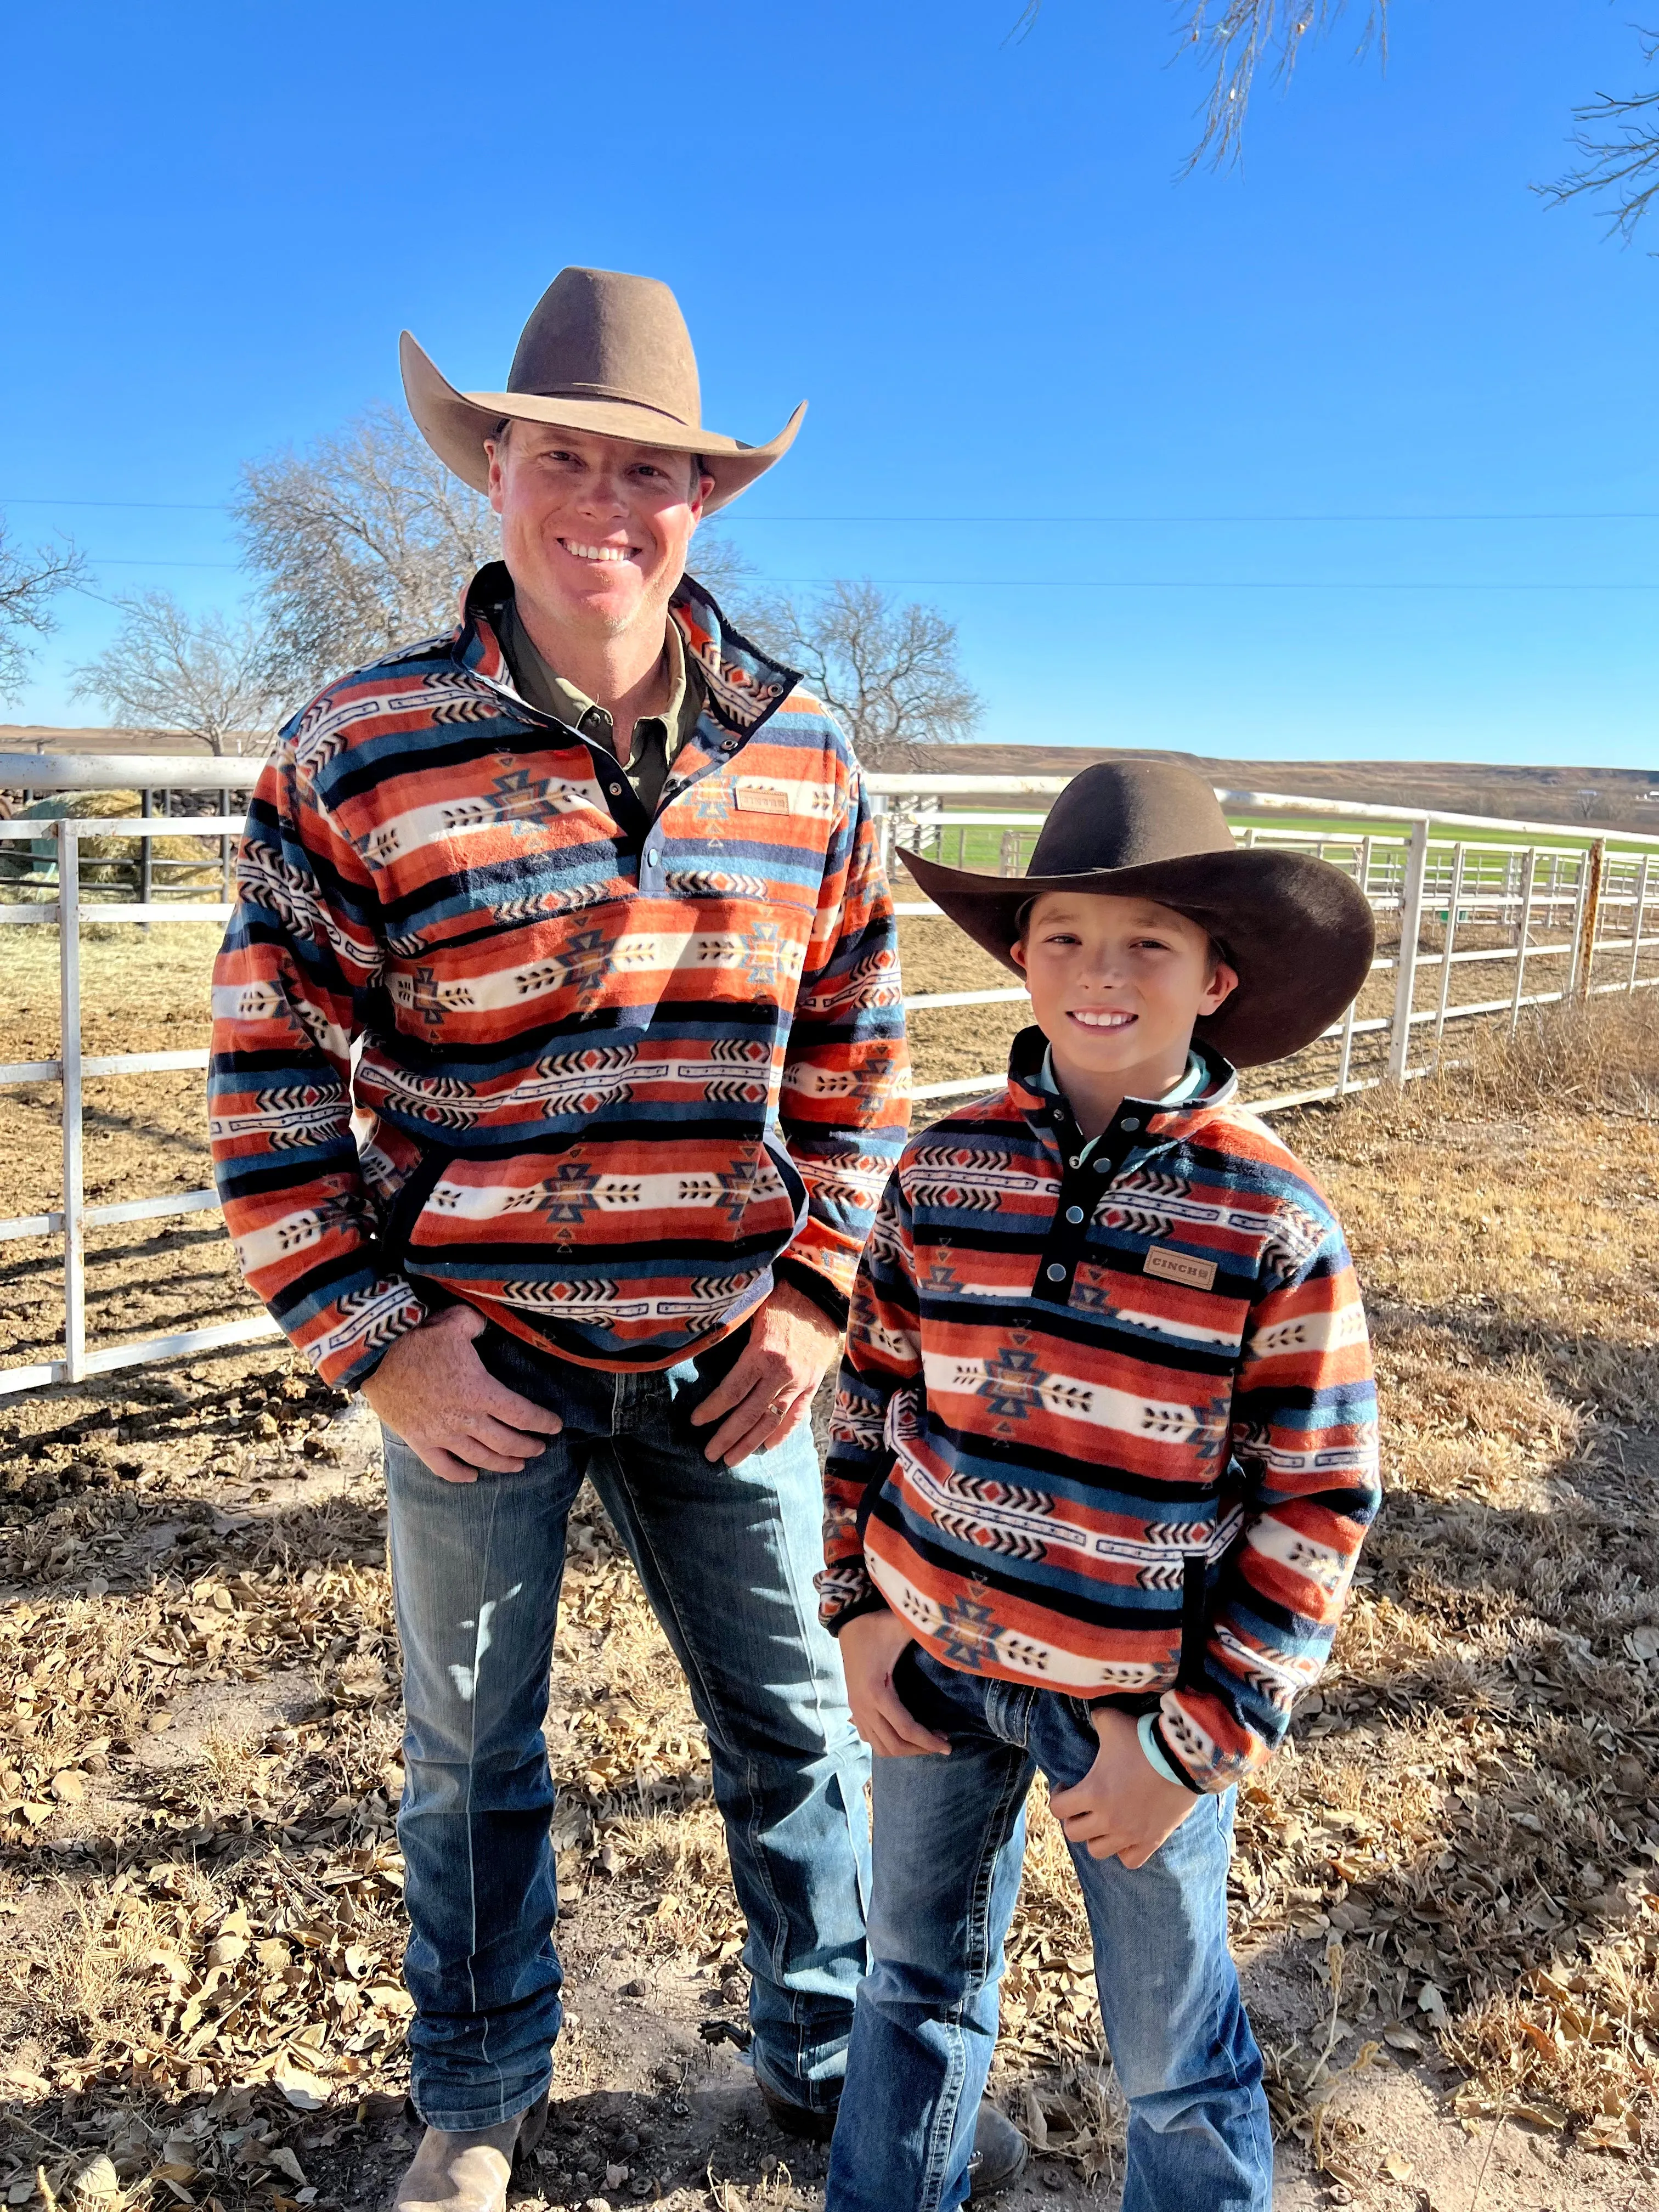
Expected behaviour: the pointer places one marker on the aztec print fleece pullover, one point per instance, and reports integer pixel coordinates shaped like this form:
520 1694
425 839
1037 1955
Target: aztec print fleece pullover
615 1069
1106 1420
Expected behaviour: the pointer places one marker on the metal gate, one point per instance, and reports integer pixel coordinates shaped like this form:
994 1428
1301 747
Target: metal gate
1579 902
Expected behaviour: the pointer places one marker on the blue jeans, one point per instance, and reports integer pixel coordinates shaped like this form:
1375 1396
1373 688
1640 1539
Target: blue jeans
727 1556
950 1835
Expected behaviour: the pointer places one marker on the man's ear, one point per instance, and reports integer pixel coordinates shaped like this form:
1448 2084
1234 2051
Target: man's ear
1224 981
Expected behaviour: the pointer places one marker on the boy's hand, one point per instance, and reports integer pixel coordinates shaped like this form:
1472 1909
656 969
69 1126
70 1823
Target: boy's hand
1123 1808
870 1650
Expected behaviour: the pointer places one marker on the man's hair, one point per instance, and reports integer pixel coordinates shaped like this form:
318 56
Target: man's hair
498 435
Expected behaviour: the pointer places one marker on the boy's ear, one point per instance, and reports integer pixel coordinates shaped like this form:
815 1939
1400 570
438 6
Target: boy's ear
1224 981
1016 952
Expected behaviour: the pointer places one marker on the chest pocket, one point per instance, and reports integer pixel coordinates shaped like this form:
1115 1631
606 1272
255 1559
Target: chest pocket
1142 1300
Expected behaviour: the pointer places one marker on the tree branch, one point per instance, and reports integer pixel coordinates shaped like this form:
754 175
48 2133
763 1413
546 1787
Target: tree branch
1623 168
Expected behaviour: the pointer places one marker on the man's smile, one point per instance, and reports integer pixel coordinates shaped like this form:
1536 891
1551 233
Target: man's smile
578 552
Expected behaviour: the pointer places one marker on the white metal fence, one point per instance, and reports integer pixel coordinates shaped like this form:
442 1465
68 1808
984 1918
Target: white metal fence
1564 914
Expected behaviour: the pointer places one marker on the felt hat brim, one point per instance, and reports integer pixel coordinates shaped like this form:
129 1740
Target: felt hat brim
456 424
1298 933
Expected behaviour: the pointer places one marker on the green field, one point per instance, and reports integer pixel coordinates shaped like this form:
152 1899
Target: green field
975 845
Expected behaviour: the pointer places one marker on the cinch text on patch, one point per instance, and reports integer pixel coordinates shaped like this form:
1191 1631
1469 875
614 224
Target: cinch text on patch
756 800
1181 1268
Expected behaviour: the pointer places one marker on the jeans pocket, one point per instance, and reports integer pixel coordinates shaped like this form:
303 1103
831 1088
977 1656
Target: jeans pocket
922 1697
710 1370
518 1368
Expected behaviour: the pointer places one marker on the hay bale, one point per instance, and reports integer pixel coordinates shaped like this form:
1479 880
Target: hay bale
108 864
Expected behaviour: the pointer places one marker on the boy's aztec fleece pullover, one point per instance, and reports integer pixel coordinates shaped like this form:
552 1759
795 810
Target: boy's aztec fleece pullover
1106 1421
617 1074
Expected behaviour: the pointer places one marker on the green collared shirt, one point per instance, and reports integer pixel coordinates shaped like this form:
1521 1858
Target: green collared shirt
544 688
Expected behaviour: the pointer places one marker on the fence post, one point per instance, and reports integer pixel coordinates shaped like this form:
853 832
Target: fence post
1446 945
1641 903
884 831
1345 1060
1008 860
69 1048
1529 873
1591 867
146 857
1411 923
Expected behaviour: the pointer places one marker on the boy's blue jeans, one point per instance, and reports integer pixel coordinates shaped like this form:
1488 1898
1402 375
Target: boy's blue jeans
727 1556
950 1835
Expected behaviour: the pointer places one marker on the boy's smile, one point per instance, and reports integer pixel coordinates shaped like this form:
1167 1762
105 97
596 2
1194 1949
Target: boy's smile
1116 985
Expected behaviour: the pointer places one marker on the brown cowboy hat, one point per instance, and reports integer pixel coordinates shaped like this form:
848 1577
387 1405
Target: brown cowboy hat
1298 933
603 353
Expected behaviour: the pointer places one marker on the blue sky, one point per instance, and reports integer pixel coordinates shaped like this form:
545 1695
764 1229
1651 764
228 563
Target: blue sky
978 261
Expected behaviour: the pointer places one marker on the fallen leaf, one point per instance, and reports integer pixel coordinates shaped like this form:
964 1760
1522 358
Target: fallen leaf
1397 2166
304 2091
96 2181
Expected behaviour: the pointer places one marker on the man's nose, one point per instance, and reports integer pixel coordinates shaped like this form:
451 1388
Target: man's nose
602 493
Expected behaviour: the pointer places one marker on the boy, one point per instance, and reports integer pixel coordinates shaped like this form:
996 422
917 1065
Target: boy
1105 1454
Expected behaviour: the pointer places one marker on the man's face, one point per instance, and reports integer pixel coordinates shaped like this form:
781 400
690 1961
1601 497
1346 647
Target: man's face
1117 983
595 531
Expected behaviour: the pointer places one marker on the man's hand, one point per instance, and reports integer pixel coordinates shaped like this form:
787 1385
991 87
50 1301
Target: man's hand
432 1389
871 1648
769 1390
1123 1808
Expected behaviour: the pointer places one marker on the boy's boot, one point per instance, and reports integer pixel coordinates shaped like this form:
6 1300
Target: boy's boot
999 2152
469 2172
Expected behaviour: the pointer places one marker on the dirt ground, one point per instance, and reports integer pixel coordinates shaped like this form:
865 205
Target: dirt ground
1446 1891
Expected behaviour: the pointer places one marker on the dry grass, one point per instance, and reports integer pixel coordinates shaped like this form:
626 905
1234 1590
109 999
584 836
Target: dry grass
1457 1850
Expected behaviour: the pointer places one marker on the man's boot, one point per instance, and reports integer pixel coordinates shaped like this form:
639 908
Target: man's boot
469 2172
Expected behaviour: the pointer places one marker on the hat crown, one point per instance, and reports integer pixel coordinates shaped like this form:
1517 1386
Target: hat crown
1127 814
595 334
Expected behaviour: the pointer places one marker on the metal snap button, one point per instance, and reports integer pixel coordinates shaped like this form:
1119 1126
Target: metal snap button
1076 1160
1056 1273
651 858
615 790
1131 1123
1074 1213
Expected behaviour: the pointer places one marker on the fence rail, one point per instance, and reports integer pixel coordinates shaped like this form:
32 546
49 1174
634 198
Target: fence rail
1421 876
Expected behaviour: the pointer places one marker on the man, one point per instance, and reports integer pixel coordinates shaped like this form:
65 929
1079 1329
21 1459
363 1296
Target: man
591 889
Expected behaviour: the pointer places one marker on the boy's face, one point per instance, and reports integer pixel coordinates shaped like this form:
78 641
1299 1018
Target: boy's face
1116 985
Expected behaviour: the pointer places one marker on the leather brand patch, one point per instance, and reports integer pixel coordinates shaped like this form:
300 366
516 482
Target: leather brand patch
1181 1268
755 799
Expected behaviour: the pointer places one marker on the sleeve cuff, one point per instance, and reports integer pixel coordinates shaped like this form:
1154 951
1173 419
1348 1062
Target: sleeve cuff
834 1304
872 1601
1146 1729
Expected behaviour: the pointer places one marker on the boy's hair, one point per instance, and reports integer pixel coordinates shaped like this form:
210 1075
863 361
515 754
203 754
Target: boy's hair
1218 955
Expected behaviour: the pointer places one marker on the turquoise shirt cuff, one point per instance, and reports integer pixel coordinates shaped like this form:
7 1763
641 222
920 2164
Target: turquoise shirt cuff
1155 1758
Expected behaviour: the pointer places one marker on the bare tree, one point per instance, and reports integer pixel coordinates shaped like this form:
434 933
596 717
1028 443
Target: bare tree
888 672
1618 139
363 544
29 582
171 676
1235 37
724 571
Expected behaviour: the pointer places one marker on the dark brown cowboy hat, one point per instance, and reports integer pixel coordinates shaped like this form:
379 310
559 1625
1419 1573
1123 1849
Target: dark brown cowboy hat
603 353
1298 932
